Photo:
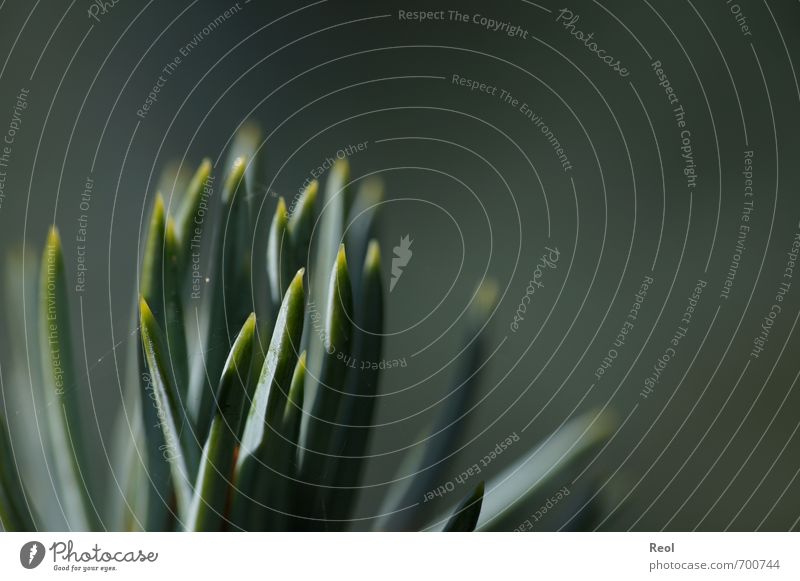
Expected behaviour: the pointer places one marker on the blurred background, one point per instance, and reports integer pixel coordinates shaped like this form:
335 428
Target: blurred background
495 149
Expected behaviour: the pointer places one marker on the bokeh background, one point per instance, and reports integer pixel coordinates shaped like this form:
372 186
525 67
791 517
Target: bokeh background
479 189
